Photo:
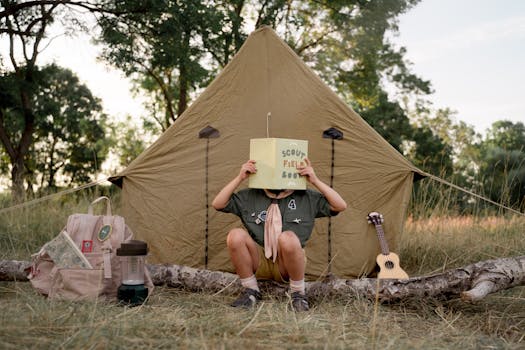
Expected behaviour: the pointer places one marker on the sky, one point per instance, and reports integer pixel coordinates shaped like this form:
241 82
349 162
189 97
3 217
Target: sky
472 51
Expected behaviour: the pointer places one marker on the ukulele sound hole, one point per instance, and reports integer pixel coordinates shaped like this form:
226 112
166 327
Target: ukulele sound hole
389 265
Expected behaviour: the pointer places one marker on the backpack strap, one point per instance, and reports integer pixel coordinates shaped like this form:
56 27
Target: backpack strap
106 255
107 248
117 237
108 205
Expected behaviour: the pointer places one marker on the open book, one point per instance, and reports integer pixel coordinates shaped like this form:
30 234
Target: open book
65 253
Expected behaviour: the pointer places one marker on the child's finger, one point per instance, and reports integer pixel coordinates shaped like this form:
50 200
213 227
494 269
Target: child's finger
307 161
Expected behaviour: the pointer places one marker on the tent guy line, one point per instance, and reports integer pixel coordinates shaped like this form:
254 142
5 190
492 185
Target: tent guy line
94 183
445 182
51 196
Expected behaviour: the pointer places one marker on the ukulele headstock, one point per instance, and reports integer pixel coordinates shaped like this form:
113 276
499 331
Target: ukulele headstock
375 218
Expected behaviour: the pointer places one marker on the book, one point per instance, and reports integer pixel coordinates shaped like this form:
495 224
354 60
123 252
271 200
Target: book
276 161
65 253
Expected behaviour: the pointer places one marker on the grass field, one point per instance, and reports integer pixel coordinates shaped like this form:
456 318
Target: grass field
181 319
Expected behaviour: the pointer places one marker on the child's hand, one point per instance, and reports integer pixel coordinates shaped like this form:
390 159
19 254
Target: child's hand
308 171
247 169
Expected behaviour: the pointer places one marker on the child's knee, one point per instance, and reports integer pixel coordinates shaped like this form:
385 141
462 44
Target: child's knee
236 237
289 242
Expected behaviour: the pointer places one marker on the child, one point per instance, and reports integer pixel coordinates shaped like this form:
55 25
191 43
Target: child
277 225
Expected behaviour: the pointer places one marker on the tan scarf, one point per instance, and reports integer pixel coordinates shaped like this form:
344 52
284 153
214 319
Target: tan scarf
273 226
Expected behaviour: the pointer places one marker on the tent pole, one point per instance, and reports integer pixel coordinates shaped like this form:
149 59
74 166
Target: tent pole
207 133
207 206
333 134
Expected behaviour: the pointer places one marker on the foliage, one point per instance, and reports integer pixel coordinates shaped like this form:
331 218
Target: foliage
430 152
25 24
71 128
507 135
68 138
391 122
502 163
130 141
173 49
344 41
163 49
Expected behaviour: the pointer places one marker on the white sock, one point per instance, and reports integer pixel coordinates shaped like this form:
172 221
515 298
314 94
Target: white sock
297 286
250 282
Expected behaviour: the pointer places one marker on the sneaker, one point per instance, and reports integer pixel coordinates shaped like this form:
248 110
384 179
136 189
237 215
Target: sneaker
299 302
248 298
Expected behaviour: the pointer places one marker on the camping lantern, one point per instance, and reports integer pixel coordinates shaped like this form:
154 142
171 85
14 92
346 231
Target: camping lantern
132 259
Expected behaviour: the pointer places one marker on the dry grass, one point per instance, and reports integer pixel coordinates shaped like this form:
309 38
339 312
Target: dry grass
180 319
24 231
440 243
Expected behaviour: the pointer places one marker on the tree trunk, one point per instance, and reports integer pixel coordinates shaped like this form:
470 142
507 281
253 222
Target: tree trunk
183 77
471 283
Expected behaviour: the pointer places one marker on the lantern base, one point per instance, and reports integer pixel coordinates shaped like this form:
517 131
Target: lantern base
132 295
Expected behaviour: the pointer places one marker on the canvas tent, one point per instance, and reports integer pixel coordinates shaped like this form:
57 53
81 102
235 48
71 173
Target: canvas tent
167 190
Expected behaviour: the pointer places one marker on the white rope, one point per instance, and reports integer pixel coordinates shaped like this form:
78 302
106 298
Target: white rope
438 179
94 183
50 196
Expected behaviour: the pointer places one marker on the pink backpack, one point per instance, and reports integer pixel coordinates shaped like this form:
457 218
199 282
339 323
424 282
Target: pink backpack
95 271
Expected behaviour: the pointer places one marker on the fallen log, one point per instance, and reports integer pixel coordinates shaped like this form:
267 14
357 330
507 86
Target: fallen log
13 270
471 283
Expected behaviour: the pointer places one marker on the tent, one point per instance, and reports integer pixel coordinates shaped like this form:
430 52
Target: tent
167 190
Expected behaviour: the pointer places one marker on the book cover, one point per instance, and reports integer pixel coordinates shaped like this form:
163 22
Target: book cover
65 253
276 161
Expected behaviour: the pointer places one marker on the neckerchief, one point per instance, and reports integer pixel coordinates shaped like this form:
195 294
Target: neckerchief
273 225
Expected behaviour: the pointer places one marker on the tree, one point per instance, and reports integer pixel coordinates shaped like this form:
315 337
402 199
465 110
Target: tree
25 25
178 47
172 49
68 138
389 120
507 135
351 52
502 163
130 142
70 130
163 51
430 152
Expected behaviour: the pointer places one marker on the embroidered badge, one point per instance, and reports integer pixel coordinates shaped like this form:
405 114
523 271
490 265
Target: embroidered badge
291 204
297 221
261 217
87 246
104 233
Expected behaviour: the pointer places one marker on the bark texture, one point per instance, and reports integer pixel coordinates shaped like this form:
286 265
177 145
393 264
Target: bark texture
13 270
471 283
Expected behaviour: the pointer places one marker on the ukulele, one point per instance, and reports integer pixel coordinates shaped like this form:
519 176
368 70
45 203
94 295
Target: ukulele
388 262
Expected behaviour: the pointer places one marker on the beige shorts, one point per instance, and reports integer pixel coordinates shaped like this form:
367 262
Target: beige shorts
269 270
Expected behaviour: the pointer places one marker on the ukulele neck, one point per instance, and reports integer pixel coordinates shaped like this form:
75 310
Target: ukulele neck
382 239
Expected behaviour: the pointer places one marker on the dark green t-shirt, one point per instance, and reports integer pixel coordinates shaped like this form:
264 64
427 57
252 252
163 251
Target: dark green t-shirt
298 211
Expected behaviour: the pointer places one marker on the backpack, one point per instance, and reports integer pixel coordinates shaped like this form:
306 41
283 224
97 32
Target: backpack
90 242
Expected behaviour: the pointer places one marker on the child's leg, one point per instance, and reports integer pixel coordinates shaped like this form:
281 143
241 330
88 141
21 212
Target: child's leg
292 264
244 253
291 257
